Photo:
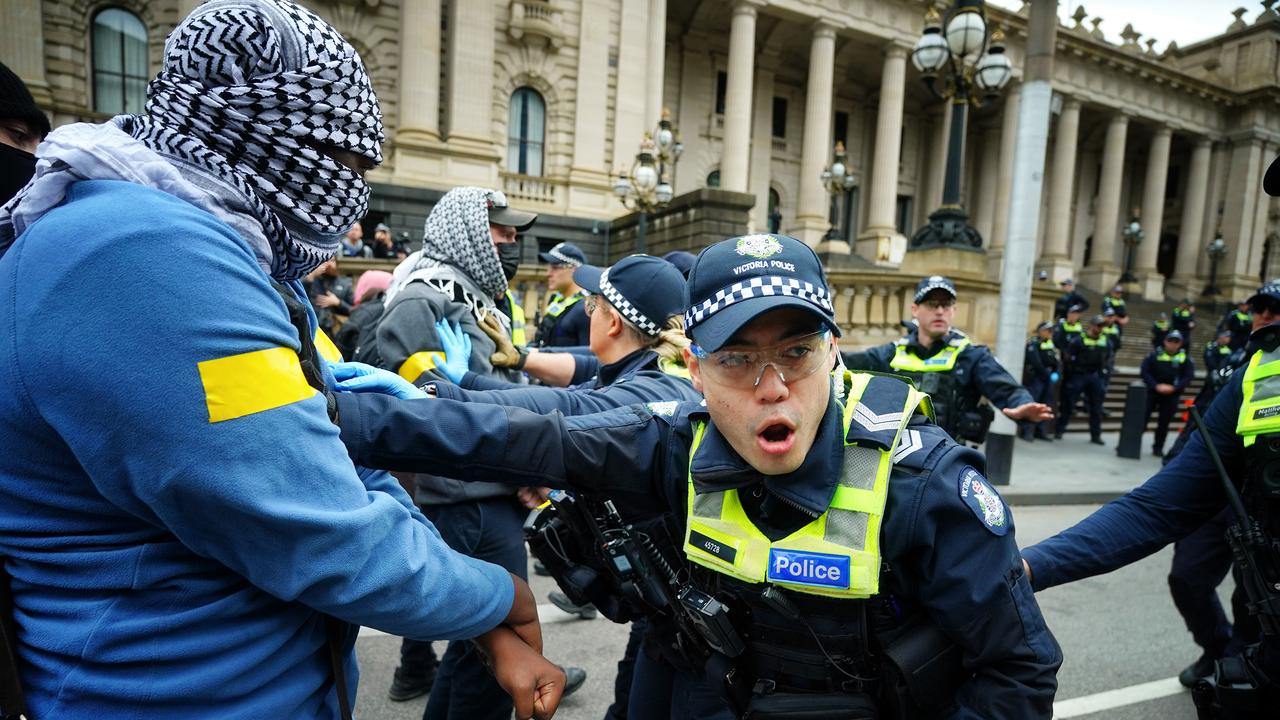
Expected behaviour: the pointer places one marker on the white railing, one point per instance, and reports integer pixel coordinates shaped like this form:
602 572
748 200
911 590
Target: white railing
531 189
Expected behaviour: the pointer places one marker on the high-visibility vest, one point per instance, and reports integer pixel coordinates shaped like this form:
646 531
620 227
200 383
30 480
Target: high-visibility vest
907 361
835 555
1260 410
517 321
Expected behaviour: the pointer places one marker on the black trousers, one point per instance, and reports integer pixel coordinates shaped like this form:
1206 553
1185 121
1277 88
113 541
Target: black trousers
1201 561
1165 406
1041 390
1092 386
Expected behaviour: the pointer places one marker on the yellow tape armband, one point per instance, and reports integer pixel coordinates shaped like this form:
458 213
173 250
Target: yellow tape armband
252 382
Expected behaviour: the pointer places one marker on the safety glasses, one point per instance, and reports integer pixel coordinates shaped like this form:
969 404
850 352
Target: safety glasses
793 359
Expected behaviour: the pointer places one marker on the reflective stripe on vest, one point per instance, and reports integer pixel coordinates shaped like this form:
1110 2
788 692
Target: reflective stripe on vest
559 304
1260 411
835 555
1093 342
1074 327
1178 359
1161 324
1243 317
907 361
517 321
1047 345
1110 330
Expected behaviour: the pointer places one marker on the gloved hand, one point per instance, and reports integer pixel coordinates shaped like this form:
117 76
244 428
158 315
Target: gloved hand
358 377
505 354
457 350
1054 377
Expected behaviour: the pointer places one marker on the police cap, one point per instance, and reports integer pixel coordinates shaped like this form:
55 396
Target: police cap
645 290
1097 320
1046 325
1174 335
737 280
934 282
1270 291
564 254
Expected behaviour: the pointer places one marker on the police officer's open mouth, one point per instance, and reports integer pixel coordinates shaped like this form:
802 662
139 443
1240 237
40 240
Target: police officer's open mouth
776 438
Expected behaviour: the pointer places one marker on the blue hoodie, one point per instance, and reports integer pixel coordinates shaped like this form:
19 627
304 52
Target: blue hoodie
177 512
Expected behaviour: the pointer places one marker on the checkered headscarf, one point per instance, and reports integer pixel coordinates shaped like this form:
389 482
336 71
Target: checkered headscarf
250 90
457 233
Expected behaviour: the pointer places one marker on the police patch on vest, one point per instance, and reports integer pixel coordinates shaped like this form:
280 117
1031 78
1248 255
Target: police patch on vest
714 547
983 501
808 568
1266 412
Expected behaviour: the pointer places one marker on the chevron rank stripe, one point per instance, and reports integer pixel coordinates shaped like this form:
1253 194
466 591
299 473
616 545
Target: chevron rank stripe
628 310
763 286
909 443
873 422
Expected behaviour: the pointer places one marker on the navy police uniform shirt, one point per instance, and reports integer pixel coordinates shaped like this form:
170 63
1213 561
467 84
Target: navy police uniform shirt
977 372
947 535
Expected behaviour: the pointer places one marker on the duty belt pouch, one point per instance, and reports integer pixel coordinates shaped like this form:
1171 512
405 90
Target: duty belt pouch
973 424
924 666
811 706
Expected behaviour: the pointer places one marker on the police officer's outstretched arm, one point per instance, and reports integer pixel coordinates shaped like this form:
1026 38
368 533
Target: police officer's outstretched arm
618 451
874 359
1175 501
961 563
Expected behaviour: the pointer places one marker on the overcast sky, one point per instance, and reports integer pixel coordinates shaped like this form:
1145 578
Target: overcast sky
1186 21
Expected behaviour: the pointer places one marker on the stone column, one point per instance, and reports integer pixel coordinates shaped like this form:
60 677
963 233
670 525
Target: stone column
22 46
737 98
590 185
984 205
419 72
815 153
473 157
762 149
937 165
1101 272
657 54
1055 259
1150 281
1191 241
1261 220
881 228
629 120
1004 182
1246 168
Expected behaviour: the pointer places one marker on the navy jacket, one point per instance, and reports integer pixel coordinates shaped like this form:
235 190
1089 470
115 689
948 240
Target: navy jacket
972 584
631 380
1155 372
977 372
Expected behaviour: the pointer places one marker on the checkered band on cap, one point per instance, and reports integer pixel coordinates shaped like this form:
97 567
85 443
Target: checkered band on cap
763 286
561 258
628 310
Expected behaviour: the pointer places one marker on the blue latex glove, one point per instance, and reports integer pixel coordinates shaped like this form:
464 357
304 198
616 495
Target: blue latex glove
456 345
361 378
1053 377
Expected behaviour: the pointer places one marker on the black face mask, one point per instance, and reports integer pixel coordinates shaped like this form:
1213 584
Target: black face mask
16 168
509 257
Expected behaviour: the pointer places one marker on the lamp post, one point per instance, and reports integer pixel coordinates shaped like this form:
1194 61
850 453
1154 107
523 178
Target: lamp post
1132 236
838 181
959 63
1217 249
647 185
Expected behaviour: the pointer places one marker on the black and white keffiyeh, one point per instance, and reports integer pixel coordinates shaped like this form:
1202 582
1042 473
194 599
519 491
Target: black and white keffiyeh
457 233
250 93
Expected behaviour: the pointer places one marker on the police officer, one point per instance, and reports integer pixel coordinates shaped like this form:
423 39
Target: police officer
1068 299
1185 494
1183 319
1238 323
1087 358
1166 373
1114 301
1113 331
954 372
1218 352
785 611
563 323
1159 328
1041 372
1069 328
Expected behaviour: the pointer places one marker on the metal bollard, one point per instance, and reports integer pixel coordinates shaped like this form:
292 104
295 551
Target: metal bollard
1135 421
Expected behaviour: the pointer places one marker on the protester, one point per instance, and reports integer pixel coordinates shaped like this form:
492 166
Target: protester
353 243
22 127
183 534
331 295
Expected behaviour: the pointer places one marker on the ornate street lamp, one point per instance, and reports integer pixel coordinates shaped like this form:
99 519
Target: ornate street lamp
959 63
647 185
838 182
1132 236
1217 249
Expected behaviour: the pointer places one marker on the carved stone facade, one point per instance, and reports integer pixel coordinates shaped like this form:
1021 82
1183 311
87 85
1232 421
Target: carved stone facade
760 90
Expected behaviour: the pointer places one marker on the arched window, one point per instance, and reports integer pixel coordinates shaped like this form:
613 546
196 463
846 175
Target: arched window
526 130
119 62
713 179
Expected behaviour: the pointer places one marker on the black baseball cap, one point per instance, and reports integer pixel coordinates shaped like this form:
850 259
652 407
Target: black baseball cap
564 254
646 290
501 213
1067 281
934 282
735 281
